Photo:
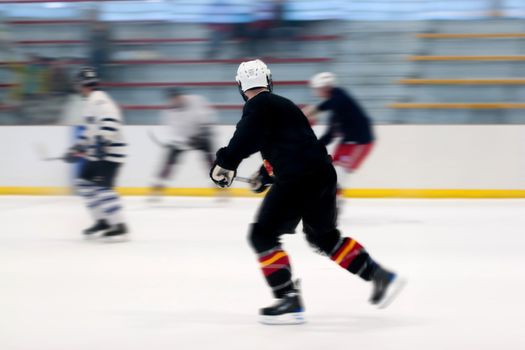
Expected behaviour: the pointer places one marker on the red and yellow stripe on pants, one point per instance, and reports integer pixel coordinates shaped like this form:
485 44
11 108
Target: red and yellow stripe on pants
347 252
274 261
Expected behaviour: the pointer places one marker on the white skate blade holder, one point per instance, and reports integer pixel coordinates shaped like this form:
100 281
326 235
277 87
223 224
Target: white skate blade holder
99 237
115 239
91 237
286 319
392 292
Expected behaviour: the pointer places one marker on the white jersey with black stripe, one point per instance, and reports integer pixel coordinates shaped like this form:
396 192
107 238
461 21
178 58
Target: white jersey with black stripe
103 122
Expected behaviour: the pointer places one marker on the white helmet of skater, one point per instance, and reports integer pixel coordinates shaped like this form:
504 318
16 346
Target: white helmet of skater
253 74
321 80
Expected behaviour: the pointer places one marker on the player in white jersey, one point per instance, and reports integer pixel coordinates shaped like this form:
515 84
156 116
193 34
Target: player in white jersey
190 118
103 147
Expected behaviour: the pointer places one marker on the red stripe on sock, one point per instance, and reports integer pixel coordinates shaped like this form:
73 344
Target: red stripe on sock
343 246
268 257
345 255
279 264
351 255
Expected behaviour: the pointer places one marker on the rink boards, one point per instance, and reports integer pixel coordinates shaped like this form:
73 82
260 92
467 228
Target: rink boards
408 161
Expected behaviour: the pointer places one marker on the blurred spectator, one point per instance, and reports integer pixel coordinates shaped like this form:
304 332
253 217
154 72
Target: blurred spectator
219 25
260 27
285 31
60 88
496 7
268 27
31 86
40 91
32 78
5 46
263 20
100 46
59 82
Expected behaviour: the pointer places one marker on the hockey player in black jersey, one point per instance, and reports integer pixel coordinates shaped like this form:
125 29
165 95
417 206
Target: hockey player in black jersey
304 188
348 122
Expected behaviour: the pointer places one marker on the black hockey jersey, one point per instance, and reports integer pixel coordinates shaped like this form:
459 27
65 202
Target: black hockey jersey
348 119
276 127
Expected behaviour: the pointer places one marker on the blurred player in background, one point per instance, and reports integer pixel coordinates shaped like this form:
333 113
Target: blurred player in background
347 121
190 118
104 149
304 187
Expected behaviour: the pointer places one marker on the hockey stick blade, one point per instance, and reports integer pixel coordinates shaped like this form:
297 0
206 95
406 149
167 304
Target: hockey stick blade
155 140
41 151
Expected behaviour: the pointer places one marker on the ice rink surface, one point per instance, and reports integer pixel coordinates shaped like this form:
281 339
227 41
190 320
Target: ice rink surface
188 279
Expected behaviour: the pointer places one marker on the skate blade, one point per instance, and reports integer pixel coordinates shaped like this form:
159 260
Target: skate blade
286 319
116 239
91 237
392 292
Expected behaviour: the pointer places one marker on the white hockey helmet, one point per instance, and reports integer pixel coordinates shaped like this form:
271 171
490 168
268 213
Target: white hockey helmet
324 79
253 74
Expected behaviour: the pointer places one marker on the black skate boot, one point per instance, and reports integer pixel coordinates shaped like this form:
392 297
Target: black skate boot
386 286
100 225
287 310
117 233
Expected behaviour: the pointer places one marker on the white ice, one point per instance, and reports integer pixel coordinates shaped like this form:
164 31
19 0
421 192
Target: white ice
189 280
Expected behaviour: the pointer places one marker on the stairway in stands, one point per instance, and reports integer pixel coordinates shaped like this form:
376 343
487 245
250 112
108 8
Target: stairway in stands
466 72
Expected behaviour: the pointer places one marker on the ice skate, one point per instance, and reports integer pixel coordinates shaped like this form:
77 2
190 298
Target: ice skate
91 232
287 310
386 287
117 233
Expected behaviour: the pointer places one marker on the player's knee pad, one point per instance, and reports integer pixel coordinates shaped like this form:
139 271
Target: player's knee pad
323 241
262 239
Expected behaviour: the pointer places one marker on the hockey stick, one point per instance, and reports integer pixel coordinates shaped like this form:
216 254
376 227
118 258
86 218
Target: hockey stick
155 140
243 179
41 151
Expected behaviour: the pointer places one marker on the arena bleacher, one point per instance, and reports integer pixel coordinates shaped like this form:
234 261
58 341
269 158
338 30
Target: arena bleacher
410 63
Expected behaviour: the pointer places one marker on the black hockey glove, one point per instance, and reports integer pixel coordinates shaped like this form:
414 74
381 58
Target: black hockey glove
74 153
222 177
100 147
260 181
